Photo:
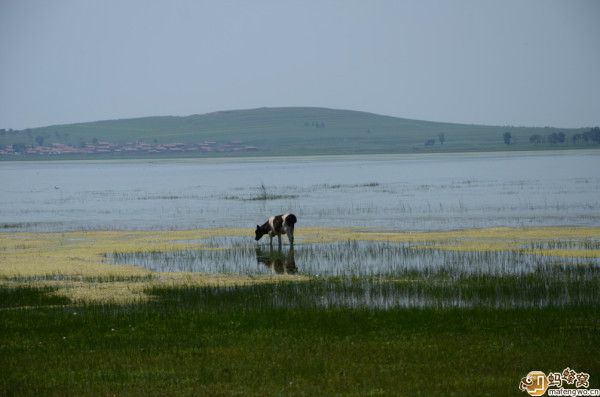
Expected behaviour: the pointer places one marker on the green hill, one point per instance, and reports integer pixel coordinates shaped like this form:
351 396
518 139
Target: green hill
294 131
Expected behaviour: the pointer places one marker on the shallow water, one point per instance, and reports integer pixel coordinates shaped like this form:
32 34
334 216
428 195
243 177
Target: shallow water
385 275
237 255
393 192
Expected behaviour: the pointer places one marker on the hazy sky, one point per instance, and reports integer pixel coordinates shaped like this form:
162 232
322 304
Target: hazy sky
492 62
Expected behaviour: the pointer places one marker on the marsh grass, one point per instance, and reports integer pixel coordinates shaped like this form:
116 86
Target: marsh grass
415 292
354 258
385 275
531 291
269 196
263 194
327 186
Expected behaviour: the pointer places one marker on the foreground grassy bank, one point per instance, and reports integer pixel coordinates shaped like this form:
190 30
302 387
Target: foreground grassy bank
228 341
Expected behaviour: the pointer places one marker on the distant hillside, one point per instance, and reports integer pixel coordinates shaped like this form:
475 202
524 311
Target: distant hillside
288 131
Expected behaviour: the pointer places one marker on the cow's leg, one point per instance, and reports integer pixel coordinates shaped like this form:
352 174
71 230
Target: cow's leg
290 234
279 240
271 240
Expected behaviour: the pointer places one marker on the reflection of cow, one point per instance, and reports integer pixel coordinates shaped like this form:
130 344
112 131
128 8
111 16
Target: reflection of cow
276 226
278 261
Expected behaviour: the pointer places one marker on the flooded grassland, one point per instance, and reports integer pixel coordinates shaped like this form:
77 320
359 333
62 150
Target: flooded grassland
345 267
374 231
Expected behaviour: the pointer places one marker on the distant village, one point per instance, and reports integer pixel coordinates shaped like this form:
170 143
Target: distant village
102 147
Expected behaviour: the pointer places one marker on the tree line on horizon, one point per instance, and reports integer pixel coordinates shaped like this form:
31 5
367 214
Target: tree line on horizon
591 136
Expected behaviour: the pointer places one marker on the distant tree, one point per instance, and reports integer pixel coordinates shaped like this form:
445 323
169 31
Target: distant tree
507 138
592 135
95 141
19 147
577 138
39 140
442 138
430 142
556 137
536 139
155 141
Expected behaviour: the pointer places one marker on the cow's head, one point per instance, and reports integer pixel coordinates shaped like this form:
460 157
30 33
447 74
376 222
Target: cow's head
259 233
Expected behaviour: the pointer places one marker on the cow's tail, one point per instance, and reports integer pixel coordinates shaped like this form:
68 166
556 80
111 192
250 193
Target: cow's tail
291 220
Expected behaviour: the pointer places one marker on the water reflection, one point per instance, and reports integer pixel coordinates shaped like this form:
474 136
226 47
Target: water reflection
277 261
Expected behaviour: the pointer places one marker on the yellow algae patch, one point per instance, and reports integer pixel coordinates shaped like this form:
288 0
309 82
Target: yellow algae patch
82 253
489 234
494 239
565 253
74 262
320 235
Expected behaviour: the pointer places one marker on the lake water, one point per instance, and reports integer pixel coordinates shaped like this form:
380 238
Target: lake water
391 192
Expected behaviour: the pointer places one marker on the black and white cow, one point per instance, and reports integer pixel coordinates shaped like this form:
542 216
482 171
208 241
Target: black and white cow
276 226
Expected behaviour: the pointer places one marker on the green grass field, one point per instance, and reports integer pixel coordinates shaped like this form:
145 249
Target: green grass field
296 131
206 341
